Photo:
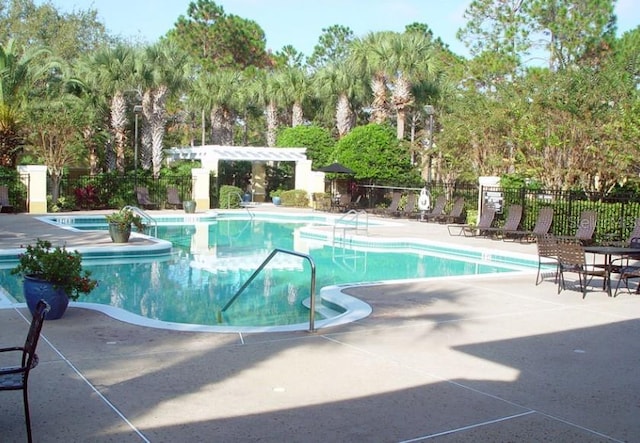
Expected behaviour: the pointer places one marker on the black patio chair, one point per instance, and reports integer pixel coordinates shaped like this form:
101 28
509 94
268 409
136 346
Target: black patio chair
15 378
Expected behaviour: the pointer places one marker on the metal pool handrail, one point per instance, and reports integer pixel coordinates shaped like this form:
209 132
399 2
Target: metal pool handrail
242 203
151 221
312 298
353 215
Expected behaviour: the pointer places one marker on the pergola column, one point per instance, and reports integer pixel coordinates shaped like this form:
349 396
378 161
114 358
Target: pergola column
258 181
34 177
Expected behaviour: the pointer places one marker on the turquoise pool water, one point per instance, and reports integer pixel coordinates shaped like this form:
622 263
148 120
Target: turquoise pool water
210 262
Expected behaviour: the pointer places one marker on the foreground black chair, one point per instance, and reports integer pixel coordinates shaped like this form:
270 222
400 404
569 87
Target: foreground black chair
15 378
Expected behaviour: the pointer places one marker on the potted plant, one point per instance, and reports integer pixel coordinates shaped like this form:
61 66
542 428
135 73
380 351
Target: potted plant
275 196
52 274
189 206
120 224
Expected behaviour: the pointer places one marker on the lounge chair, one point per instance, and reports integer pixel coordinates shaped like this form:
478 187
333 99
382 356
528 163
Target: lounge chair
585 230
455 215
173 198
355 202
142 195
511 224
542 226
572 258
635 233
437 211
469 230
5 205
409 209
393 206
343 203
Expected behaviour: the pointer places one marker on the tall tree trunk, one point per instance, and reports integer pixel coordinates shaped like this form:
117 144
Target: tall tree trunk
272 123
227 127
401 99
157 122
145 151
87 134
119 126
345 118
379 106
297 116
217 125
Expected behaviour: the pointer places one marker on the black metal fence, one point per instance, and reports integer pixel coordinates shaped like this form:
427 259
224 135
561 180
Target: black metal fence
616 214
17 190
109 191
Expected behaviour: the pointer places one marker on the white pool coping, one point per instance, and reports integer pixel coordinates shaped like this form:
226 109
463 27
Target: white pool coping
355 309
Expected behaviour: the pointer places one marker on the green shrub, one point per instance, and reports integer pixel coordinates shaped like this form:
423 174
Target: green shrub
297 198
230 197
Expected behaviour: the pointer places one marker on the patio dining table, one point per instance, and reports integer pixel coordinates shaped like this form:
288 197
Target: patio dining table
608 252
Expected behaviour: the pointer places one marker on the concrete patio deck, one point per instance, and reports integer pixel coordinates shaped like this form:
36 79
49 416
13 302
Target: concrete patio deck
475 359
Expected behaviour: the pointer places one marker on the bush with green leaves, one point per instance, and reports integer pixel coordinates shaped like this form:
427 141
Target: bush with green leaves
374 153
317 140
230 197
297 198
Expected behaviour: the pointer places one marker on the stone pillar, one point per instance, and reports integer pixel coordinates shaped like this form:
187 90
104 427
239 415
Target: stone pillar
258 181
490 181
200 188
36 183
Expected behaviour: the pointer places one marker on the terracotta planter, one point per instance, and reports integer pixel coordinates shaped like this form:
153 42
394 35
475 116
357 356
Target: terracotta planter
35 289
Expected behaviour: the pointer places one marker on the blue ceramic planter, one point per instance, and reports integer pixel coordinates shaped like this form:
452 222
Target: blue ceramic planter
35 289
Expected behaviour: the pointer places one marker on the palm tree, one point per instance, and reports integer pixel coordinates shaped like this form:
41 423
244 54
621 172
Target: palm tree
160 72
216 92
294 87
18 73
410 62
339 83
370 56
267 92
112 69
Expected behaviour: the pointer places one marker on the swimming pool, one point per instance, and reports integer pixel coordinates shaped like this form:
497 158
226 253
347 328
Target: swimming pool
211 258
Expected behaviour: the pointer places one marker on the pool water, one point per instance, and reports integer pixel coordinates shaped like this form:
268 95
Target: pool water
211 261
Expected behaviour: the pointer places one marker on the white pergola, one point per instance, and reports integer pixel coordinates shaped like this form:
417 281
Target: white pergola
214 153
210 155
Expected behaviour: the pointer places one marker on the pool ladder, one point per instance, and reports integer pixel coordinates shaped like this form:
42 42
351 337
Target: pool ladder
356 224
312 297
243 204
148 220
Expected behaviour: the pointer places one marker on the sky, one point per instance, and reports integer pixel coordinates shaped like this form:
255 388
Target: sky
300 22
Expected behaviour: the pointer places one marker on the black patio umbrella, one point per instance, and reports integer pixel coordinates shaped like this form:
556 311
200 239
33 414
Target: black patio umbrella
336 168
